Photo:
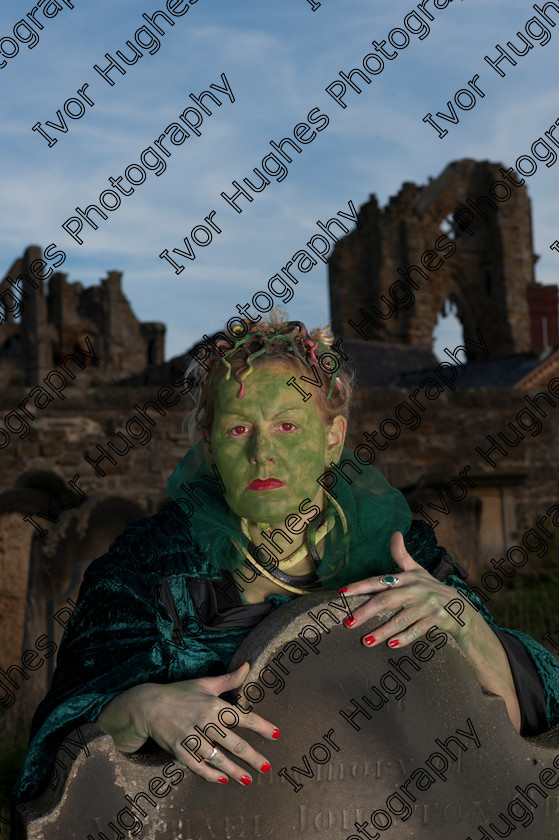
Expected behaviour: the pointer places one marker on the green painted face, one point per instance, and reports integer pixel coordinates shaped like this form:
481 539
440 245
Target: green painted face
268 434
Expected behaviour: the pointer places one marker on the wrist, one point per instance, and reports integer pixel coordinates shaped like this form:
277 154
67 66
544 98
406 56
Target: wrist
124 717
140 701
467 632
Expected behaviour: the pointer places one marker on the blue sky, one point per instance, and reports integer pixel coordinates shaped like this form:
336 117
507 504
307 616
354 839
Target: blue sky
278 58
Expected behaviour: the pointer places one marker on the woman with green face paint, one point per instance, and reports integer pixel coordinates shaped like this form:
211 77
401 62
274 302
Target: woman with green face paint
269 449
265 506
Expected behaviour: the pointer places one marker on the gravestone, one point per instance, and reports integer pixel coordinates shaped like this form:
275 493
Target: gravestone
374 743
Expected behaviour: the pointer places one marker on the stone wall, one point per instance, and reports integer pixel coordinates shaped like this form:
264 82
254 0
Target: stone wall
451 427
507 498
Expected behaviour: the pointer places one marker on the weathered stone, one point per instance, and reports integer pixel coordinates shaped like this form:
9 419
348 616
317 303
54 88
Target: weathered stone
336 770
55 322
488 276
15 550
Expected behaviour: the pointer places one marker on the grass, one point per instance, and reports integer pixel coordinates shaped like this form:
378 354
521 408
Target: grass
530 600
532 608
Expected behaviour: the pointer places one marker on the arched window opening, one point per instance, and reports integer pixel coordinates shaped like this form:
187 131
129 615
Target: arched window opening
448 226
448 332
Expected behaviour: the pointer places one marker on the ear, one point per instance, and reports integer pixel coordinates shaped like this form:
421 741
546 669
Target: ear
335 437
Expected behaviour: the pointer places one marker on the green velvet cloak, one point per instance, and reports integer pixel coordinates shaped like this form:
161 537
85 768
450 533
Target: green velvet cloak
121 634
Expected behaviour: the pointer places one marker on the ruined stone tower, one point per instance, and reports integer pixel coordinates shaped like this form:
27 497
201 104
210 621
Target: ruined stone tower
488 276
38 328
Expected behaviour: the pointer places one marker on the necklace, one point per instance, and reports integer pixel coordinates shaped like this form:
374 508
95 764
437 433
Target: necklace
316 532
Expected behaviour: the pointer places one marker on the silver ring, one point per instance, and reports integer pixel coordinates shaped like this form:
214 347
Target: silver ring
212 756
389 580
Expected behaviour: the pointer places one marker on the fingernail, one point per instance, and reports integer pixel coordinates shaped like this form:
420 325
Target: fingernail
369 640
393 643
223 780
349 622
246 780
266 767
342 590
276 734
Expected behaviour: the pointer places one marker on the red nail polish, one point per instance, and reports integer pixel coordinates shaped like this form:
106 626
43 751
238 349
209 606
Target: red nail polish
223 780
349 622
266 767
342 590
369 640
276 734
245 780
393 643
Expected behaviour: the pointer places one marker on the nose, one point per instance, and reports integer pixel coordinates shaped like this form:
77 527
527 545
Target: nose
262 450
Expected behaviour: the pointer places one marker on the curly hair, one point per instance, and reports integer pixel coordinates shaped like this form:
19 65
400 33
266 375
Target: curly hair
275 338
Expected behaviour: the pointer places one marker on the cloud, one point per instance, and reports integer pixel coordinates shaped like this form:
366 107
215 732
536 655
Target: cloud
279 59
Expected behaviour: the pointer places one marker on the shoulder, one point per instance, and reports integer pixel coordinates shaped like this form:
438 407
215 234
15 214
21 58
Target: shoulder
151 547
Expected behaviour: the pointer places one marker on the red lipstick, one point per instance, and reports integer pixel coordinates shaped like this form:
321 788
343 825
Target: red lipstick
265 484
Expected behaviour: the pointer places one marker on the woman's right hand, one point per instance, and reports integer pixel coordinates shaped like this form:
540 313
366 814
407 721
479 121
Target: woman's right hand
169 713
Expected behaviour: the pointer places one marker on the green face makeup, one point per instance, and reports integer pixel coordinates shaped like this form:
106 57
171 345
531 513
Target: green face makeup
268 434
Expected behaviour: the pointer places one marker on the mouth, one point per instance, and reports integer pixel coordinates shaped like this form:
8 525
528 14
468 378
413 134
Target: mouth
265 484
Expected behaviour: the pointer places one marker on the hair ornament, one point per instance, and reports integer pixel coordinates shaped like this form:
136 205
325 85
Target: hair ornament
245 342
266 338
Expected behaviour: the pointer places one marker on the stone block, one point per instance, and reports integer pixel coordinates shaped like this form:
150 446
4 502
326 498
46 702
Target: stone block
372 741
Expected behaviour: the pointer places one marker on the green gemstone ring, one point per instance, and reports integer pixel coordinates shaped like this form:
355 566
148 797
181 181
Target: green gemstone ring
388 580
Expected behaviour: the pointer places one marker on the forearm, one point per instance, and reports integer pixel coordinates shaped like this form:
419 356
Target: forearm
487 656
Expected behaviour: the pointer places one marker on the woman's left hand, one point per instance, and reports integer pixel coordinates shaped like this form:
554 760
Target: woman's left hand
420 598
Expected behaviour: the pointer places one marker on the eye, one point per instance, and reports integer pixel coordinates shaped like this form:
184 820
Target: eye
238 431
287 427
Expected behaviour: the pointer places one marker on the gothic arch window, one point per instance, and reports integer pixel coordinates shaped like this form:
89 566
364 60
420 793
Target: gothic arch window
448 331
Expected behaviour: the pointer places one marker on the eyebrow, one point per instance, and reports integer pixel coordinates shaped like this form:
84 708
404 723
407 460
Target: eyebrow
286 410
283 411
